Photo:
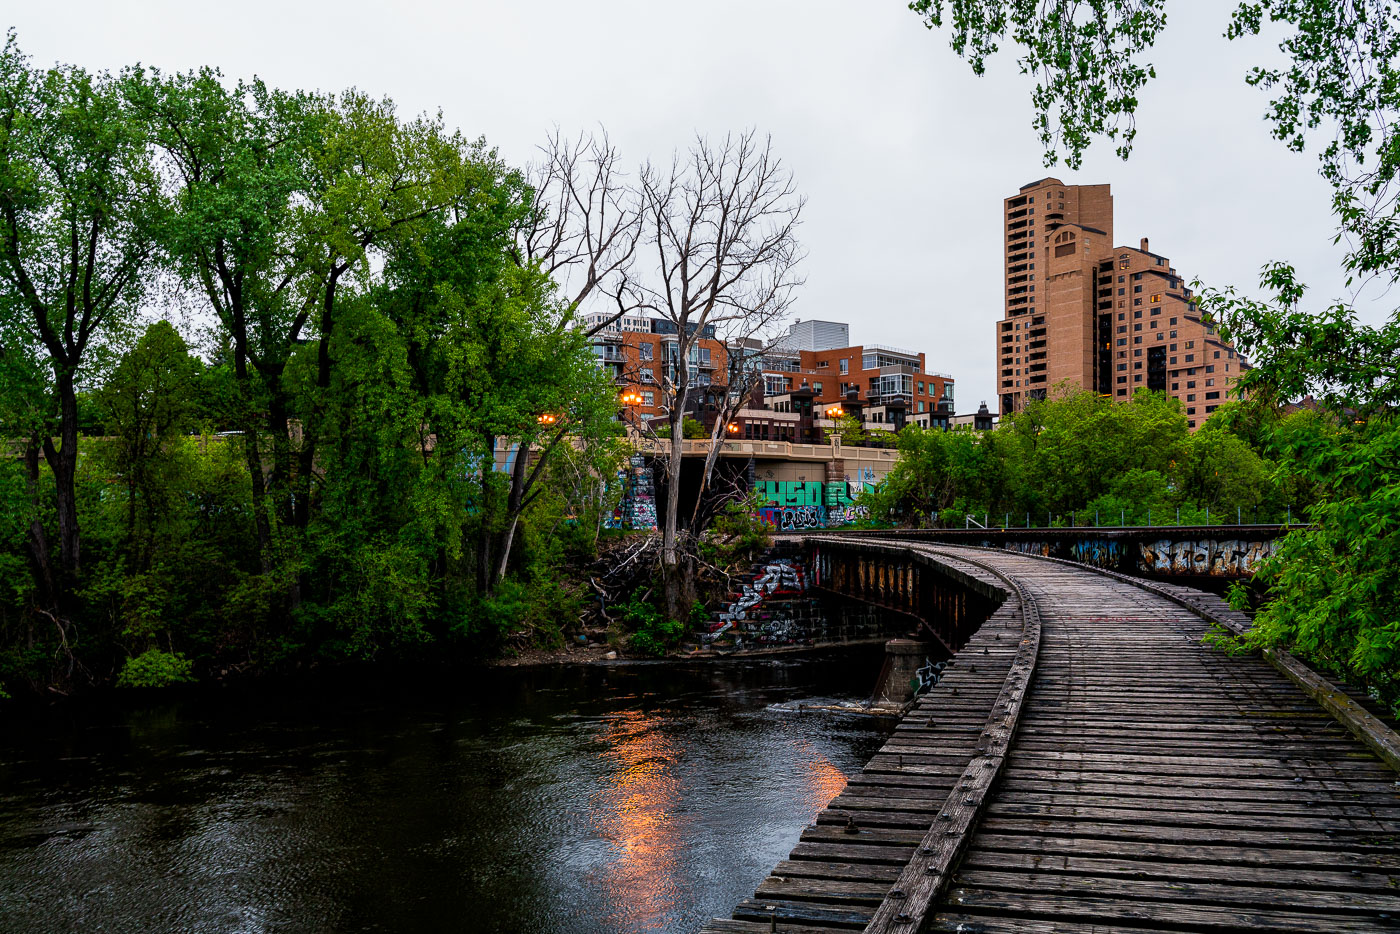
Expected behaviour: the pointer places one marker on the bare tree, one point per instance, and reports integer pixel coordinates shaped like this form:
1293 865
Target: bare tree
743 373
584 224
721 224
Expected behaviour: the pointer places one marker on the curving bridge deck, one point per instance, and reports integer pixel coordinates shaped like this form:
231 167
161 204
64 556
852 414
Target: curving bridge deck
1087 764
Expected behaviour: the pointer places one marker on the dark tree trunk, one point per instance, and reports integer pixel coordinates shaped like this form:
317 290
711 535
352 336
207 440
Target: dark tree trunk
40 556
64 464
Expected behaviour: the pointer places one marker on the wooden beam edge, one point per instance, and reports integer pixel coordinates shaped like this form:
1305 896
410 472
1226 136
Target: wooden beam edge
926 876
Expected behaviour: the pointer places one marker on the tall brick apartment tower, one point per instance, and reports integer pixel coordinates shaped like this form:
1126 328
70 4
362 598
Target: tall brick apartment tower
1110 319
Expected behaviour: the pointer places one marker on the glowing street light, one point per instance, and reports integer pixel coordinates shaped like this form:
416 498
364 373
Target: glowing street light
631 397
547 419
732 428
835 411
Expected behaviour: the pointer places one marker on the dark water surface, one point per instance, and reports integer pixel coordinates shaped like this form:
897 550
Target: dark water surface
606 799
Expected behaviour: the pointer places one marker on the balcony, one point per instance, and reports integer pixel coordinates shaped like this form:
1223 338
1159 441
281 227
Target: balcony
610 354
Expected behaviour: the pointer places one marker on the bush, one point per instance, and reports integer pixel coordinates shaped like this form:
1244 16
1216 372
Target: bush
736 532
653 633
154 668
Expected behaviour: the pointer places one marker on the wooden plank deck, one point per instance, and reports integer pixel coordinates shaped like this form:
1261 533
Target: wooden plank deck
1153 784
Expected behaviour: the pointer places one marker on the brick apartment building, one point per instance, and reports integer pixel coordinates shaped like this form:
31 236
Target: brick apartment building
640 351
805 373
1110 319
814 368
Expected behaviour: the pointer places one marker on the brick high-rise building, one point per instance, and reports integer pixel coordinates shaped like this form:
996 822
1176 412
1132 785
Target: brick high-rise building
1110 319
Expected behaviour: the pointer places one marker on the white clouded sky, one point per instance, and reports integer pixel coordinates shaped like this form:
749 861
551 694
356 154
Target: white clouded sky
903 154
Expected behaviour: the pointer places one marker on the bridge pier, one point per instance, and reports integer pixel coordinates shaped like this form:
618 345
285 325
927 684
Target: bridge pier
898 679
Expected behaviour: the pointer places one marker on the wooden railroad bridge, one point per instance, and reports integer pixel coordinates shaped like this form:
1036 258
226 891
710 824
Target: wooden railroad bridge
1086 763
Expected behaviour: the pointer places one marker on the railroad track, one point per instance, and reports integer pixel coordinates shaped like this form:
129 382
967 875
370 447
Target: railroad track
1087 764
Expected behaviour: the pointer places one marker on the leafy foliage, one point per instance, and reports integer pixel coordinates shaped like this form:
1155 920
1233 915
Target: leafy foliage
1082 459
653 634
356 464
1084 54
155 668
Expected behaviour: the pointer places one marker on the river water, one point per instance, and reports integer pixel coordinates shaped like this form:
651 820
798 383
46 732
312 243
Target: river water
604 799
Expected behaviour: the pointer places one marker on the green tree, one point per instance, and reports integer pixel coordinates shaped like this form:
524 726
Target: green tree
147 402
80 211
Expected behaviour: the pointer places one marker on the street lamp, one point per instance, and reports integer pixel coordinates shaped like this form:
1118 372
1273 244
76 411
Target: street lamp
547 419
732 428
835 411
631 397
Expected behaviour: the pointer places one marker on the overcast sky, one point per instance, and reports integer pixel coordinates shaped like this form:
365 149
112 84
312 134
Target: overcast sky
903 154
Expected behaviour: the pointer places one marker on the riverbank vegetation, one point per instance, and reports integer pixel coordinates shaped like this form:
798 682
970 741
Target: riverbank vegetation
323 461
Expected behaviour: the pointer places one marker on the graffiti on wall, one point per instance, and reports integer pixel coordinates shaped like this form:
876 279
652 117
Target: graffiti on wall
795 505
1215 557
761 607
637 508
1097 552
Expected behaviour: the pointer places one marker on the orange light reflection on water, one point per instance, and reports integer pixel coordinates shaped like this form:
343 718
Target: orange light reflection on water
636 813
823 779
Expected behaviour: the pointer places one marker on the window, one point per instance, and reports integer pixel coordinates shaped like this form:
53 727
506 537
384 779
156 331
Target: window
1190 344
1137 301
921 389
817 388
1156 311
647 376
645 351
1217 355
1210 368
1211 381
1122 329
1137 288
1122 379
823 364
1122 366
1175 386
846 364
1154 299
648 398
1122 342
1160 335
1137 327
1173 332
921 405
1191 384
1120 278
1213 395
1137 340
1173 323
1120 291
1190 357
1120 316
